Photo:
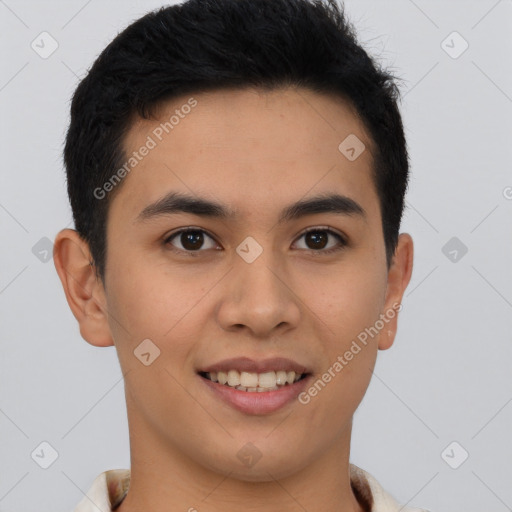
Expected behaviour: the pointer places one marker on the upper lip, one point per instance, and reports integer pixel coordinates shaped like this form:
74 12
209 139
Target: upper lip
246 364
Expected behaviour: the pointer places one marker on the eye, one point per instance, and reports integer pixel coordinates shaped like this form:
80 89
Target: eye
191 240
318 238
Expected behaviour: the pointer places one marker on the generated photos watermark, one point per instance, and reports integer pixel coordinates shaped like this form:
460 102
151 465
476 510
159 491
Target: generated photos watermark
343 360
137 156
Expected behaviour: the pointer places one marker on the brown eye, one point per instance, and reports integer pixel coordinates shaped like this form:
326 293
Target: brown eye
191 240
317 240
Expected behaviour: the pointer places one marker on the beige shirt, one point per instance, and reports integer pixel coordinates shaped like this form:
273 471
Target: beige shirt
110 487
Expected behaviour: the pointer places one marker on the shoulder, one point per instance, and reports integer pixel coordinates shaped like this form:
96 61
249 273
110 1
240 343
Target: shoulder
106 491
369 491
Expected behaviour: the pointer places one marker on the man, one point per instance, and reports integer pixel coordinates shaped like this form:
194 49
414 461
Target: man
237 171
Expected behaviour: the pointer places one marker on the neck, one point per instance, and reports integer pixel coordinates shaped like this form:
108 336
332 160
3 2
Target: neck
165 479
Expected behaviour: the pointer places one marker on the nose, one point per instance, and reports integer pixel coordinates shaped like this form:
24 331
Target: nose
259 297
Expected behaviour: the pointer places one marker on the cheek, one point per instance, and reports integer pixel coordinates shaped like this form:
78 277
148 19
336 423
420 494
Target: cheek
133 302
348 297
349 304
152 300
349 354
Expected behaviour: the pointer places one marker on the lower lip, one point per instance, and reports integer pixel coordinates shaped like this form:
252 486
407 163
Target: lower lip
263 402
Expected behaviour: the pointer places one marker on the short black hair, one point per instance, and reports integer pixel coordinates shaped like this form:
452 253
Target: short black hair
207 45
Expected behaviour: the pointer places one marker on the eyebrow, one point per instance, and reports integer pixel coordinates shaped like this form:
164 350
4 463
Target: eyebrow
178 202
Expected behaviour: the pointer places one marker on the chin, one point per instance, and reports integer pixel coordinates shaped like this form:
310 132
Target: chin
252 465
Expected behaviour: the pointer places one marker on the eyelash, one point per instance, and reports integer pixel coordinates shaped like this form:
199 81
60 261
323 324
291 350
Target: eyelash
342 241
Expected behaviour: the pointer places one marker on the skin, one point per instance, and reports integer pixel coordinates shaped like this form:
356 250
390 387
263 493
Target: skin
256 152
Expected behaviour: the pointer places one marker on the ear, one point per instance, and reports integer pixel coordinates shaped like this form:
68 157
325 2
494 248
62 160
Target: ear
84 291
399 276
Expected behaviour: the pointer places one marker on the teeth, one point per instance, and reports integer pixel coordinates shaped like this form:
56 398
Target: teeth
282 377
233 378
268 380
254 382
249 380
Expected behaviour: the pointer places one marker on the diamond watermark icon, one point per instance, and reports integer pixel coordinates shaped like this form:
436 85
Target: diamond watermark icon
43 249
44 455
351 147
454 249
249 455
249 249
454 455
44 45
454 45
146 352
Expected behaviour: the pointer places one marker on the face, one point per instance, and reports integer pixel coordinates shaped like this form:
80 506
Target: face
251 283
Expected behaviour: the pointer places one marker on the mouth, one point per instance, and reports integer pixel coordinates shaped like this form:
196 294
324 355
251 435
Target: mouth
255 386
252 382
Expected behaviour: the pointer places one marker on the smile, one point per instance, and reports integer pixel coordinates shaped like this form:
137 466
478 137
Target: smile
254 382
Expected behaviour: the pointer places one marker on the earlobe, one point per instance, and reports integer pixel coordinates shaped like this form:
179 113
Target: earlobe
399 276
84 292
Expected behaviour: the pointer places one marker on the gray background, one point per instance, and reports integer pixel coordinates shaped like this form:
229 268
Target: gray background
447 378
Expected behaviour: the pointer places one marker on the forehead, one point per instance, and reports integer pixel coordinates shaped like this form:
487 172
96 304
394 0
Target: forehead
248 148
